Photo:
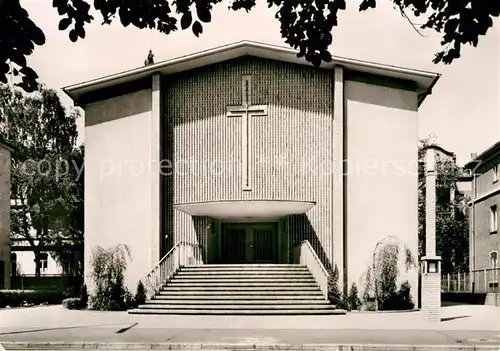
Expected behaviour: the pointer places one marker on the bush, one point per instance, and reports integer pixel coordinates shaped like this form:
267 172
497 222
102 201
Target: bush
353 301
334 295
129 300
404 298
381 279
108 267
72 303
369 304
140 295
16 298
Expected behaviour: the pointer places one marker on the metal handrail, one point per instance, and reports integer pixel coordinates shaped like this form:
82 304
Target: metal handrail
181 254
165 257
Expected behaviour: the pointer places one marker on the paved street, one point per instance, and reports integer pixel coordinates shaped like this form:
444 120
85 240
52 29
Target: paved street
461 326
136 333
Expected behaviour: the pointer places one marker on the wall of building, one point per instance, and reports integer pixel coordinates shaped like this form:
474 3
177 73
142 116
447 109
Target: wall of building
291 146
382 182
25 264
5 177
484 182
485 241
118 179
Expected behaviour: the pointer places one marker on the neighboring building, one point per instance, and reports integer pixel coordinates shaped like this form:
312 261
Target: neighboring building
23 261
251 140
462 190
484 219
54 274
5 178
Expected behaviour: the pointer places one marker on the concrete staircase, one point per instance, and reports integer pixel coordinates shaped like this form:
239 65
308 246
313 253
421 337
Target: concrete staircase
247 289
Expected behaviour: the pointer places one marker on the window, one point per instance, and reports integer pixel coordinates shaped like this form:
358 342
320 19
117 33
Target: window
493 219
496 173
44 260
494 267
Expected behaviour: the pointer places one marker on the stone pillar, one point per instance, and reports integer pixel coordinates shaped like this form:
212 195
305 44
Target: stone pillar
431 264
155 170
338 204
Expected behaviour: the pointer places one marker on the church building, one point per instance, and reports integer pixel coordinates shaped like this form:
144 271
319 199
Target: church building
245 154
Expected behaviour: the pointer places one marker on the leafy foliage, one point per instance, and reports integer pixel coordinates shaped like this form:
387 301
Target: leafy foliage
369 294
404 300
108 268
381 278
387 274
140 295
305 25
334 294
47 186
353 299
72 303
452 226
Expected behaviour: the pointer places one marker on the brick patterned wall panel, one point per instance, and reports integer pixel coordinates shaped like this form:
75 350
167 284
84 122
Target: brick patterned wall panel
431 297
291 146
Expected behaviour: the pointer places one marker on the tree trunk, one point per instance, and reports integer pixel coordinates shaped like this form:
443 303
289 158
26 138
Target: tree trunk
38 263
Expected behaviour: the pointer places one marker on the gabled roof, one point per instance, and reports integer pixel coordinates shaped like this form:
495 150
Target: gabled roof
423 79
489 153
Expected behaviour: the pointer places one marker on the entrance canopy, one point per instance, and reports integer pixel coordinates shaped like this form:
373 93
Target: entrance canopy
246 210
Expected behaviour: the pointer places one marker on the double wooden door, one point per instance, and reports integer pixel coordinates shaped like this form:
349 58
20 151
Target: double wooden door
249 243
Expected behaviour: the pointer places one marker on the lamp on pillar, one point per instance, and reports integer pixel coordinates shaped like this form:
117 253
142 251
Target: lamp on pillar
431 264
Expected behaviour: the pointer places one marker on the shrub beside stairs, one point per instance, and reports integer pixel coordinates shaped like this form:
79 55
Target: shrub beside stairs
247 289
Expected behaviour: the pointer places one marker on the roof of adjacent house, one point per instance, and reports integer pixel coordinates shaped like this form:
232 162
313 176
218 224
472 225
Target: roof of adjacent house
486 155
442 150
424 80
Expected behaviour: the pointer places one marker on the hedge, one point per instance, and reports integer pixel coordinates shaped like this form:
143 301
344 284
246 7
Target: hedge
16 298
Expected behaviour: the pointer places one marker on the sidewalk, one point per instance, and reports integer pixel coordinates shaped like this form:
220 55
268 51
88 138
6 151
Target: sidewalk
55 328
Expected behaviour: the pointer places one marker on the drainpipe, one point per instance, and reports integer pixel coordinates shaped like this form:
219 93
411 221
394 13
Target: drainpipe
473 231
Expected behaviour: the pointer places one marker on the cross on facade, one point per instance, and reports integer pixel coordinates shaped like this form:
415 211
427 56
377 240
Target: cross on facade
246 111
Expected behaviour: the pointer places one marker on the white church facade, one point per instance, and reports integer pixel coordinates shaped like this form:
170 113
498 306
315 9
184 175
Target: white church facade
245 152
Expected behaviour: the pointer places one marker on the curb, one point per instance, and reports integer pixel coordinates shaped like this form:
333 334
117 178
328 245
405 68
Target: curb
239 347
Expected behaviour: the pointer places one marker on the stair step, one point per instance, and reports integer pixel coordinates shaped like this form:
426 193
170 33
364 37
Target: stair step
226 275
248 265
254 302
246 289
231 268
237 307
238 312
255 293
263 288
243 279
242 297
235 282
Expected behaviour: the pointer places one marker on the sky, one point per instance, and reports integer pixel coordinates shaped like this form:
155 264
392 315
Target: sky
463 111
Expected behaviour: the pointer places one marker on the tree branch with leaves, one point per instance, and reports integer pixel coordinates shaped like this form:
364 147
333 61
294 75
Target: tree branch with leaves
47 183
305 25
